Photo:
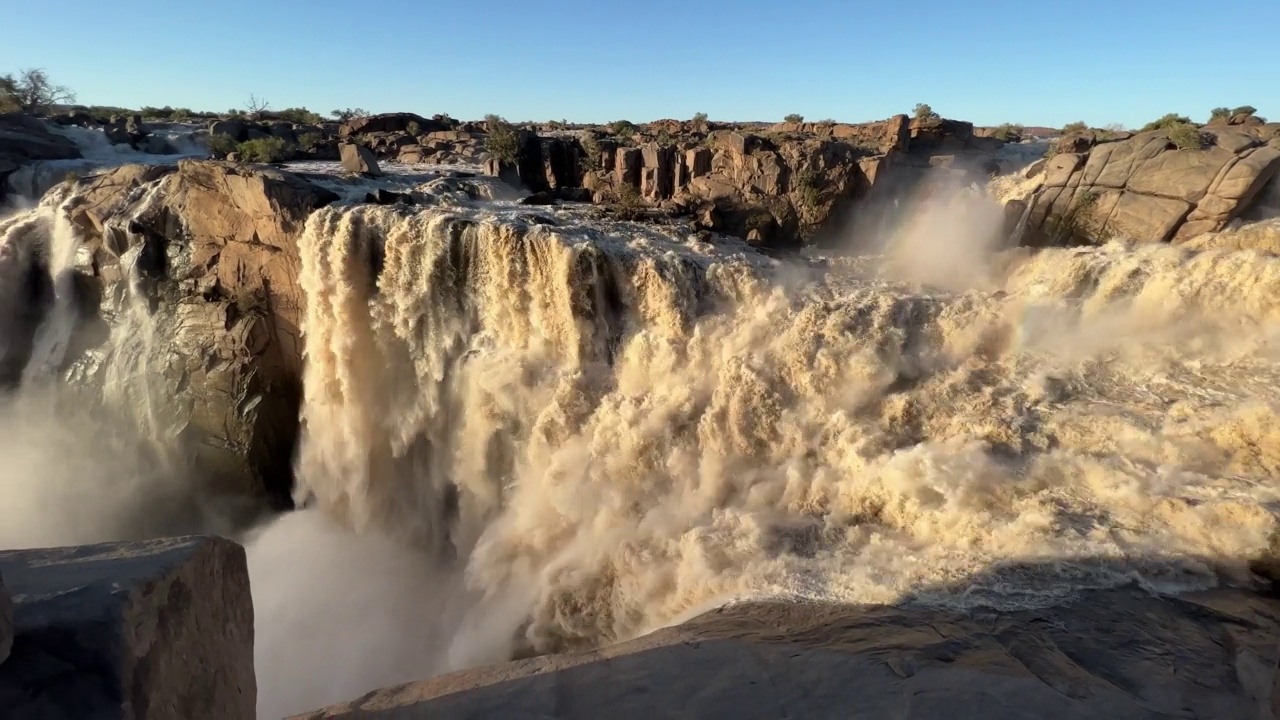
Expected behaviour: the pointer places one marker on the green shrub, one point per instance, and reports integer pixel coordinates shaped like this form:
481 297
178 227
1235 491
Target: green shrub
1075 127
622 129
413 128
1166 121
1186 136
1219 113
809 185
699 121
629 196
308 141
922 111
1008 132
794 118
502 142
264 150
222 145
590 152
344 115
1245 110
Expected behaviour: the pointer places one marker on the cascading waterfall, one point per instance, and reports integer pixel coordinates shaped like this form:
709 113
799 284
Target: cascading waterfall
534 434
721 430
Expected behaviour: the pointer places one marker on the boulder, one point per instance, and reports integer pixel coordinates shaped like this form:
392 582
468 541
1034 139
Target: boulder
1109 654
217 247
237 130
1147 188
144 630
359 159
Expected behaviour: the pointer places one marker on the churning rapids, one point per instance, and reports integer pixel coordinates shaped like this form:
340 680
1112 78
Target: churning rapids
523 438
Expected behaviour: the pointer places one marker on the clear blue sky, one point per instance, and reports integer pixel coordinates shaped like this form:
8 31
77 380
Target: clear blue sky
988 61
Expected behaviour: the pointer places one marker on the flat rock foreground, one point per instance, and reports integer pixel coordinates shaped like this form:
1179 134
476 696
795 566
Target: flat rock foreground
164 629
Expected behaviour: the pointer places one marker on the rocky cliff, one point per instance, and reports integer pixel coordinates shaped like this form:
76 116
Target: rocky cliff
1166 185
209 250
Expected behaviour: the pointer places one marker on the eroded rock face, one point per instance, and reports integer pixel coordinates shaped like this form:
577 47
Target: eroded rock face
1114 654
1148 189
215 252
137 631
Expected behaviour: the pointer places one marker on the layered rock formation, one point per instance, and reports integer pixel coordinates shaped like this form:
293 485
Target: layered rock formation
1110 654
1151 186
137 631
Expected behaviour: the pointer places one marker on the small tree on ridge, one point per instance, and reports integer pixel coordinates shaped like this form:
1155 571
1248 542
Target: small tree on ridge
31 91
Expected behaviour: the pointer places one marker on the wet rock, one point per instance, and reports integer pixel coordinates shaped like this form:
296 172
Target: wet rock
359 159
539 198
1110 654
224 285
153 629
382 196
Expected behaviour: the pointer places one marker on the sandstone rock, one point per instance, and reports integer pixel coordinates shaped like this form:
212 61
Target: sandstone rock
1152 190
1110 654
219 243
146 630
359 159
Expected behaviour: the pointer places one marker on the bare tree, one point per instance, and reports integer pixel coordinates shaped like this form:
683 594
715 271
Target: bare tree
32 91
256 106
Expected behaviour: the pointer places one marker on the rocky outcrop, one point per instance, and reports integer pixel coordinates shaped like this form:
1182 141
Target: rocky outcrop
797 182
392 123
137 631
1109 654
1152 187
25 139
215 249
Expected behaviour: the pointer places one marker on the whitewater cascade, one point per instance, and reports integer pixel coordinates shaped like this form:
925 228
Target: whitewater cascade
635 429
549 432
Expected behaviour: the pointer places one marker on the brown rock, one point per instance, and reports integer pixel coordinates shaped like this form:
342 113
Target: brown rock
1184 174
1152 188
1146 218
359 159
228 303
137 631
